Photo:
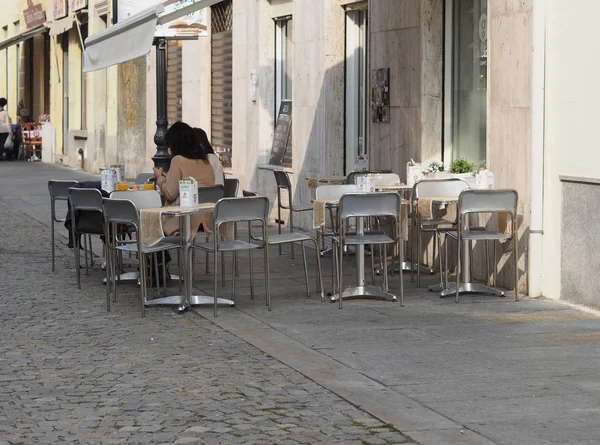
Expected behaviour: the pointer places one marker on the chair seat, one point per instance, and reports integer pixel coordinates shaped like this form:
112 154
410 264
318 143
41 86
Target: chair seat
366 239
302 208
481 235
132 247
286 238
227 246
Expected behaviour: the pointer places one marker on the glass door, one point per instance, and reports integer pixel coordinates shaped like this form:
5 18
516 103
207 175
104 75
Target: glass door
465 81
356 87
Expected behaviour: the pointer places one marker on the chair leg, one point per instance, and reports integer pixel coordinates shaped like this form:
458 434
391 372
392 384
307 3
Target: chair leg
143 281
222 269
181 269
115 273
516 254
386 284
401 259
341 272
76 243
291 212
91 251
267 271
305 269
108 276
334 267
206 259
251 265
417 262
233 276
155 258
495 263
216 273
439 242
373 264
85 254
446 267
164 271
279 218
52 237
458 265
487 261
319 271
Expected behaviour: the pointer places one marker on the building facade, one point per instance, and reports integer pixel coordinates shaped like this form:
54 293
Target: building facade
372 83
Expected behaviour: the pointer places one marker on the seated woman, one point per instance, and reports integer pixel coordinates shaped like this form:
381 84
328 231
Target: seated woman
210 154
189 160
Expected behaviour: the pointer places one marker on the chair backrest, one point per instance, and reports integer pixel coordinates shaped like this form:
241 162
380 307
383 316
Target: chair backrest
439 187
122 211
247 193
85 199
60 189
351 178
282 179
210 194
488 201
369 204
143 199
254 208
334 191
142 178
381 178
230 188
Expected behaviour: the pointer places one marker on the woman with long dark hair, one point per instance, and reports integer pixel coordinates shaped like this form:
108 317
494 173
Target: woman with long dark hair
5 129
210 154
188 160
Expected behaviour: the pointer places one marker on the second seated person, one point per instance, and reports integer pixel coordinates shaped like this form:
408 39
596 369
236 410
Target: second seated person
210 154
188 160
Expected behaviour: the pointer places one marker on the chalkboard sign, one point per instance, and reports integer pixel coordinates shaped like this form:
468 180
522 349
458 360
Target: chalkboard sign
282 136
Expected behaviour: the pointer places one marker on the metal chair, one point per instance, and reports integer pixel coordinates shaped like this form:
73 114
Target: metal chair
238 210
487 201
84 202
59 191
430 189
283 183
124 212
142 178
231 187
143 199
368 205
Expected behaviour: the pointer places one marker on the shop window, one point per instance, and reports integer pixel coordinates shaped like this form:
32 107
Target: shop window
356 78
465 85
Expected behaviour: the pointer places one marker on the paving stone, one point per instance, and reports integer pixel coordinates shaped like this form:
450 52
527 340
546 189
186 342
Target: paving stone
74 372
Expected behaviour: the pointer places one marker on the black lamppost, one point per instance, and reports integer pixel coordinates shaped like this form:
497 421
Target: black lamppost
162 157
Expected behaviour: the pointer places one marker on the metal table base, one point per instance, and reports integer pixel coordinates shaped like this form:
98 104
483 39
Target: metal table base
473 288
368 292
134 276
182 305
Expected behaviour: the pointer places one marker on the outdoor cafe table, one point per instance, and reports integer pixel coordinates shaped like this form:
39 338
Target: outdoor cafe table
151 232
466 285
361 290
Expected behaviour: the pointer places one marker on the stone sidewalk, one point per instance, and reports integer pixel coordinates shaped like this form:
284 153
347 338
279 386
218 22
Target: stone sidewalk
485 371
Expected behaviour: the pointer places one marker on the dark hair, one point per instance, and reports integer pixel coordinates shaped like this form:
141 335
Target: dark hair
182 141
203 139
3 102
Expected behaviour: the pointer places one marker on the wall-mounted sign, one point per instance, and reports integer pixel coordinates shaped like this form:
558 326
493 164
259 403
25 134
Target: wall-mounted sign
34 15
76 5
60 9
380 95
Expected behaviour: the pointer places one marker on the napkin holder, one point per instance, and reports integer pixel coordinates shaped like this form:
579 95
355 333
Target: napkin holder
108 180
484 179
365 183
414 173
188 192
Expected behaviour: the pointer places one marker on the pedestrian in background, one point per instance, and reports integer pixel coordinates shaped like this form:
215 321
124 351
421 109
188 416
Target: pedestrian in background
5 129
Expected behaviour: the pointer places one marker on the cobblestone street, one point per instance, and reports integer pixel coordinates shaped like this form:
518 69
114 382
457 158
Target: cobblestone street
72 372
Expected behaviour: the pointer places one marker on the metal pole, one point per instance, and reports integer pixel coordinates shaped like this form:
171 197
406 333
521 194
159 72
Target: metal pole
162 157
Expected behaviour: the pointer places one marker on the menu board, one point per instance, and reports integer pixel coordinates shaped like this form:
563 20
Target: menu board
282 135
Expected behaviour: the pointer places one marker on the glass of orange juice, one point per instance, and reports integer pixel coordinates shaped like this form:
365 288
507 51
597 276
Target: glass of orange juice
122 186
149 186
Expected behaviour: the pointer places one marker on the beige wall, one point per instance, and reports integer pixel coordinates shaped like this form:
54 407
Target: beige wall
509 115
571 117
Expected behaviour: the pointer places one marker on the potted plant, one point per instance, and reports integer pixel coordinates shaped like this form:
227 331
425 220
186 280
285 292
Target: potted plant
461 168
434 170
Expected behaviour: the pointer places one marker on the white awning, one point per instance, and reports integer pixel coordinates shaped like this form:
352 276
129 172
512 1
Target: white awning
124 41
23 36
61 25
132 37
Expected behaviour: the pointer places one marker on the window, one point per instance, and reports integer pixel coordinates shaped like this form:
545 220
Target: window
284 55
465 81
356 75
83 29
